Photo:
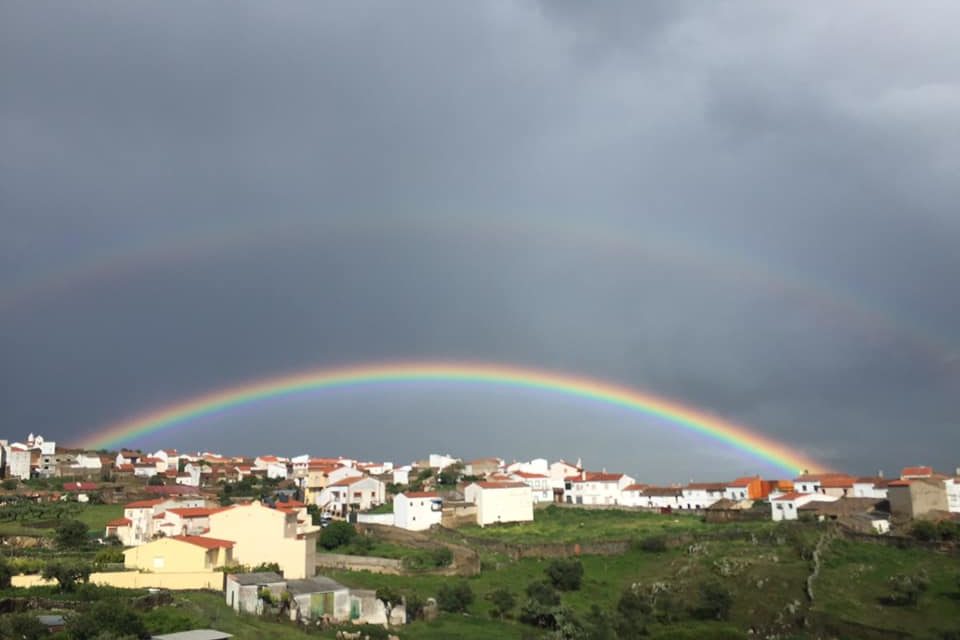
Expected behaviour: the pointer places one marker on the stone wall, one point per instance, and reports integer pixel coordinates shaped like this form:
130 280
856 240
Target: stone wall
359 563
137 580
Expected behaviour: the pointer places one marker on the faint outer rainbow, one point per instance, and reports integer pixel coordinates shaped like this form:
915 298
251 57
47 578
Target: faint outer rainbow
734 435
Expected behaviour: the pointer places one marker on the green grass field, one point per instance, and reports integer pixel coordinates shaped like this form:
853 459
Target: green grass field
570 525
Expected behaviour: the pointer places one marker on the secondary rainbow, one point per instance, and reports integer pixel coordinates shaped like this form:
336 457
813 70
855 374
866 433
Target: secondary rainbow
737 436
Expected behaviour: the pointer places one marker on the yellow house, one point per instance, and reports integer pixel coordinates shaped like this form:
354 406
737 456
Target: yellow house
180 554
263 534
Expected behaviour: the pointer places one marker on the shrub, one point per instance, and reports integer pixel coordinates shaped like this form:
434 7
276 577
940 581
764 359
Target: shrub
266 567
924 530
906 589
543 593
10 484
441 557
654 544
22 626
455 598
106 617
109 555
715 602
6 573
337 534
503 602
566 574
362 545
415 607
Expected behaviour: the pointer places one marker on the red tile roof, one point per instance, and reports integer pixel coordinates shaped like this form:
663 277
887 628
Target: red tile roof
709 486
206 543
120 522
916 472
793 495
899 483
421 494
194 512
143 504
500 485
526 474
838 482
635 487
743 482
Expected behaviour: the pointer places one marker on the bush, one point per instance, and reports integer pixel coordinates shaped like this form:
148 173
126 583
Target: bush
653 544
715 602
455 598
266 567
924 530
104 618
6 573
71 534
362 545
566 574
415 607
337 534
906 589
441 557
503 602
22 626
10 484
109 555
543 593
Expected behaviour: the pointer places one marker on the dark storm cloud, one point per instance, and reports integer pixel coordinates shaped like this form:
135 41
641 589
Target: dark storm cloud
804 159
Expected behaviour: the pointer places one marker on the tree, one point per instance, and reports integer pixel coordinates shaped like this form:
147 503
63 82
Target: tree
450 474
337 534
110 617
390 598
155 481
362 545
455 598
565 574
66 573
503 602
415 607
71 534
715 602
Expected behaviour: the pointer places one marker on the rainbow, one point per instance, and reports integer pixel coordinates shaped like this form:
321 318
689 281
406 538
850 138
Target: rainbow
736 436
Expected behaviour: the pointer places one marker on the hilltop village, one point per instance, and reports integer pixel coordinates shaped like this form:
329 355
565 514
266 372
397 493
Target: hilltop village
276 535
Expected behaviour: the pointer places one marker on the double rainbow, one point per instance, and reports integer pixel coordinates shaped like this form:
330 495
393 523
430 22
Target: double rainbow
736 436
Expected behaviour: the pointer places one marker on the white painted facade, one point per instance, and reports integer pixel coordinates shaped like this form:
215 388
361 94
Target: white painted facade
441 461
351 494
18 464
953 494
88 461
869 489
500 502
539 484
342 473
701 495
417 511
784 507
597 488
401 475
661 498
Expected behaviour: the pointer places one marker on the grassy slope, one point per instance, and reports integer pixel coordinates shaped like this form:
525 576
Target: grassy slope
856 575
556 524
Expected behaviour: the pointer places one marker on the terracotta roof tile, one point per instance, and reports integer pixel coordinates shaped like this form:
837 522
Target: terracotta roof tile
206 543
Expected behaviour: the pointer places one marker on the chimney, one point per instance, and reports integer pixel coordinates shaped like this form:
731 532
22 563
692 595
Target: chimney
957 471
583 475
880 473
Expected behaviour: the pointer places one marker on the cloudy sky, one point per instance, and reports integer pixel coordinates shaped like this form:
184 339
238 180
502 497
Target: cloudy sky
747 207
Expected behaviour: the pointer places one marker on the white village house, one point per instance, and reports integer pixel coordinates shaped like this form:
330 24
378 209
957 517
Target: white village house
500 501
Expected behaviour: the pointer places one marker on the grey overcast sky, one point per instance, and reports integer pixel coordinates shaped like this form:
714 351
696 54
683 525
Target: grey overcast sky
750 208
